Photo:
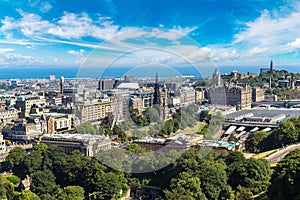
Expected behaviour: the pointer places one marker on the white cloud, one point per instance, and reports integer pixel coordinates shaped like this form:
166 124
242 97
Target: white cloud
271 30
170 34
200 55
257 51
76 53
3 50
79 55
221 55
28 25
69 26
292 46
78 26
74 26
12 58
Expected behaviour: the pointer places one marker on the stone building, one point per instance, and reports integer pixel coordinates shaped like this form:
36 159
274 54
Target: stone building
24 131
200 95
9 114
88 144
229 94
239 96
94 111
258 94
232 95
217 95
187 95
24 104
216 78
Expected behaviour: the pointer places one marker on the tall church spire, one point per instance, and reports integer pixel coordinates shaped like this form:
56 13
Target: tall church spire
216 77
156 91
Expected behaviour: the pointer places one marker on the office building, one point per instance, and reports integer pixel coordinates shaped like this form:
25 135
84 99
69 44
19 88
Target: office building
24 104
94 111
61 84
106 84
129 79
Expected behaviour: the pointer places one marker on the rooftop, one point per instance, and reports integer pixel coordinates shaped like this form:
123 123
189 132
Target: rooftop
128 86
263 112
48 115
73 137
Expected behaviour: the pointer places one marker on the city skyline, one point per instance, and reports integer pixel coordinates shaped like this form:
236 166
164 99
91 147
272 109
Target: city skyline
207 33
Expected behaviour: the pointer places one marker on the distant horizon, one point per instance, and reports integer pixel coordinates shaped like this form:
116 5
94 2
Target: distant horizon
35 72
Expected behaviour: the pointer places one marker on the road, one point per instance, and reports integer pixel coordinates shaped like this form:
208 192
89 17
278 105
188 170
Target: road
279 155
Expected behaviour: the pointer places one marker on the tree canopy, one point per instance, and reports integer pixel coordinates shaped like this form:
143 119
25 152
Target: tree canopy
285 181
86 128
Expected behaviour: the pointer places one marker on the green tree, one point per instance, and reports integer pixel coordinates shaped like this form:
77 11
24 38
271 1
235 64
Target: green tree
108 185
134 148
127 124
73 169
56 161
33 161
43 182
213 179
151 115
41 147
285 182
212 174
243 194
169 127
15 159
13 179
286 133
120 133
205 116
72 193
234 156
28 195
10 192
86 128
253 174
186 186
254 141
2 189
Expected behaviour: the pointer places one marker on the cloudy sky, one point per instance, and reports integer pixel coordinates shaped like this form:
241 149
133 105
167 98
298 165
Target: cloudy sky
137 32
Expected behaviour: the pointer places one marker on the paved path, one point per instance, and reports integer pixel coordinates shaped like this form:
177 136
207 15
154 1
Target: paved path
279 155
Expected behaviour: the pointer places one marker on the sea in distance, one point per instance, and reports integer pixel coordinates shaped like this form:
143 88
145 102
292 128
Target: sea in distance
75 72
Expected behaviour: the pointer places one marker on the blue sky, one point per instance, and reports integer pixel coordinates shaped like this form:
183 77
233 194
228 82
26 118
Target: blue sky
98 33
